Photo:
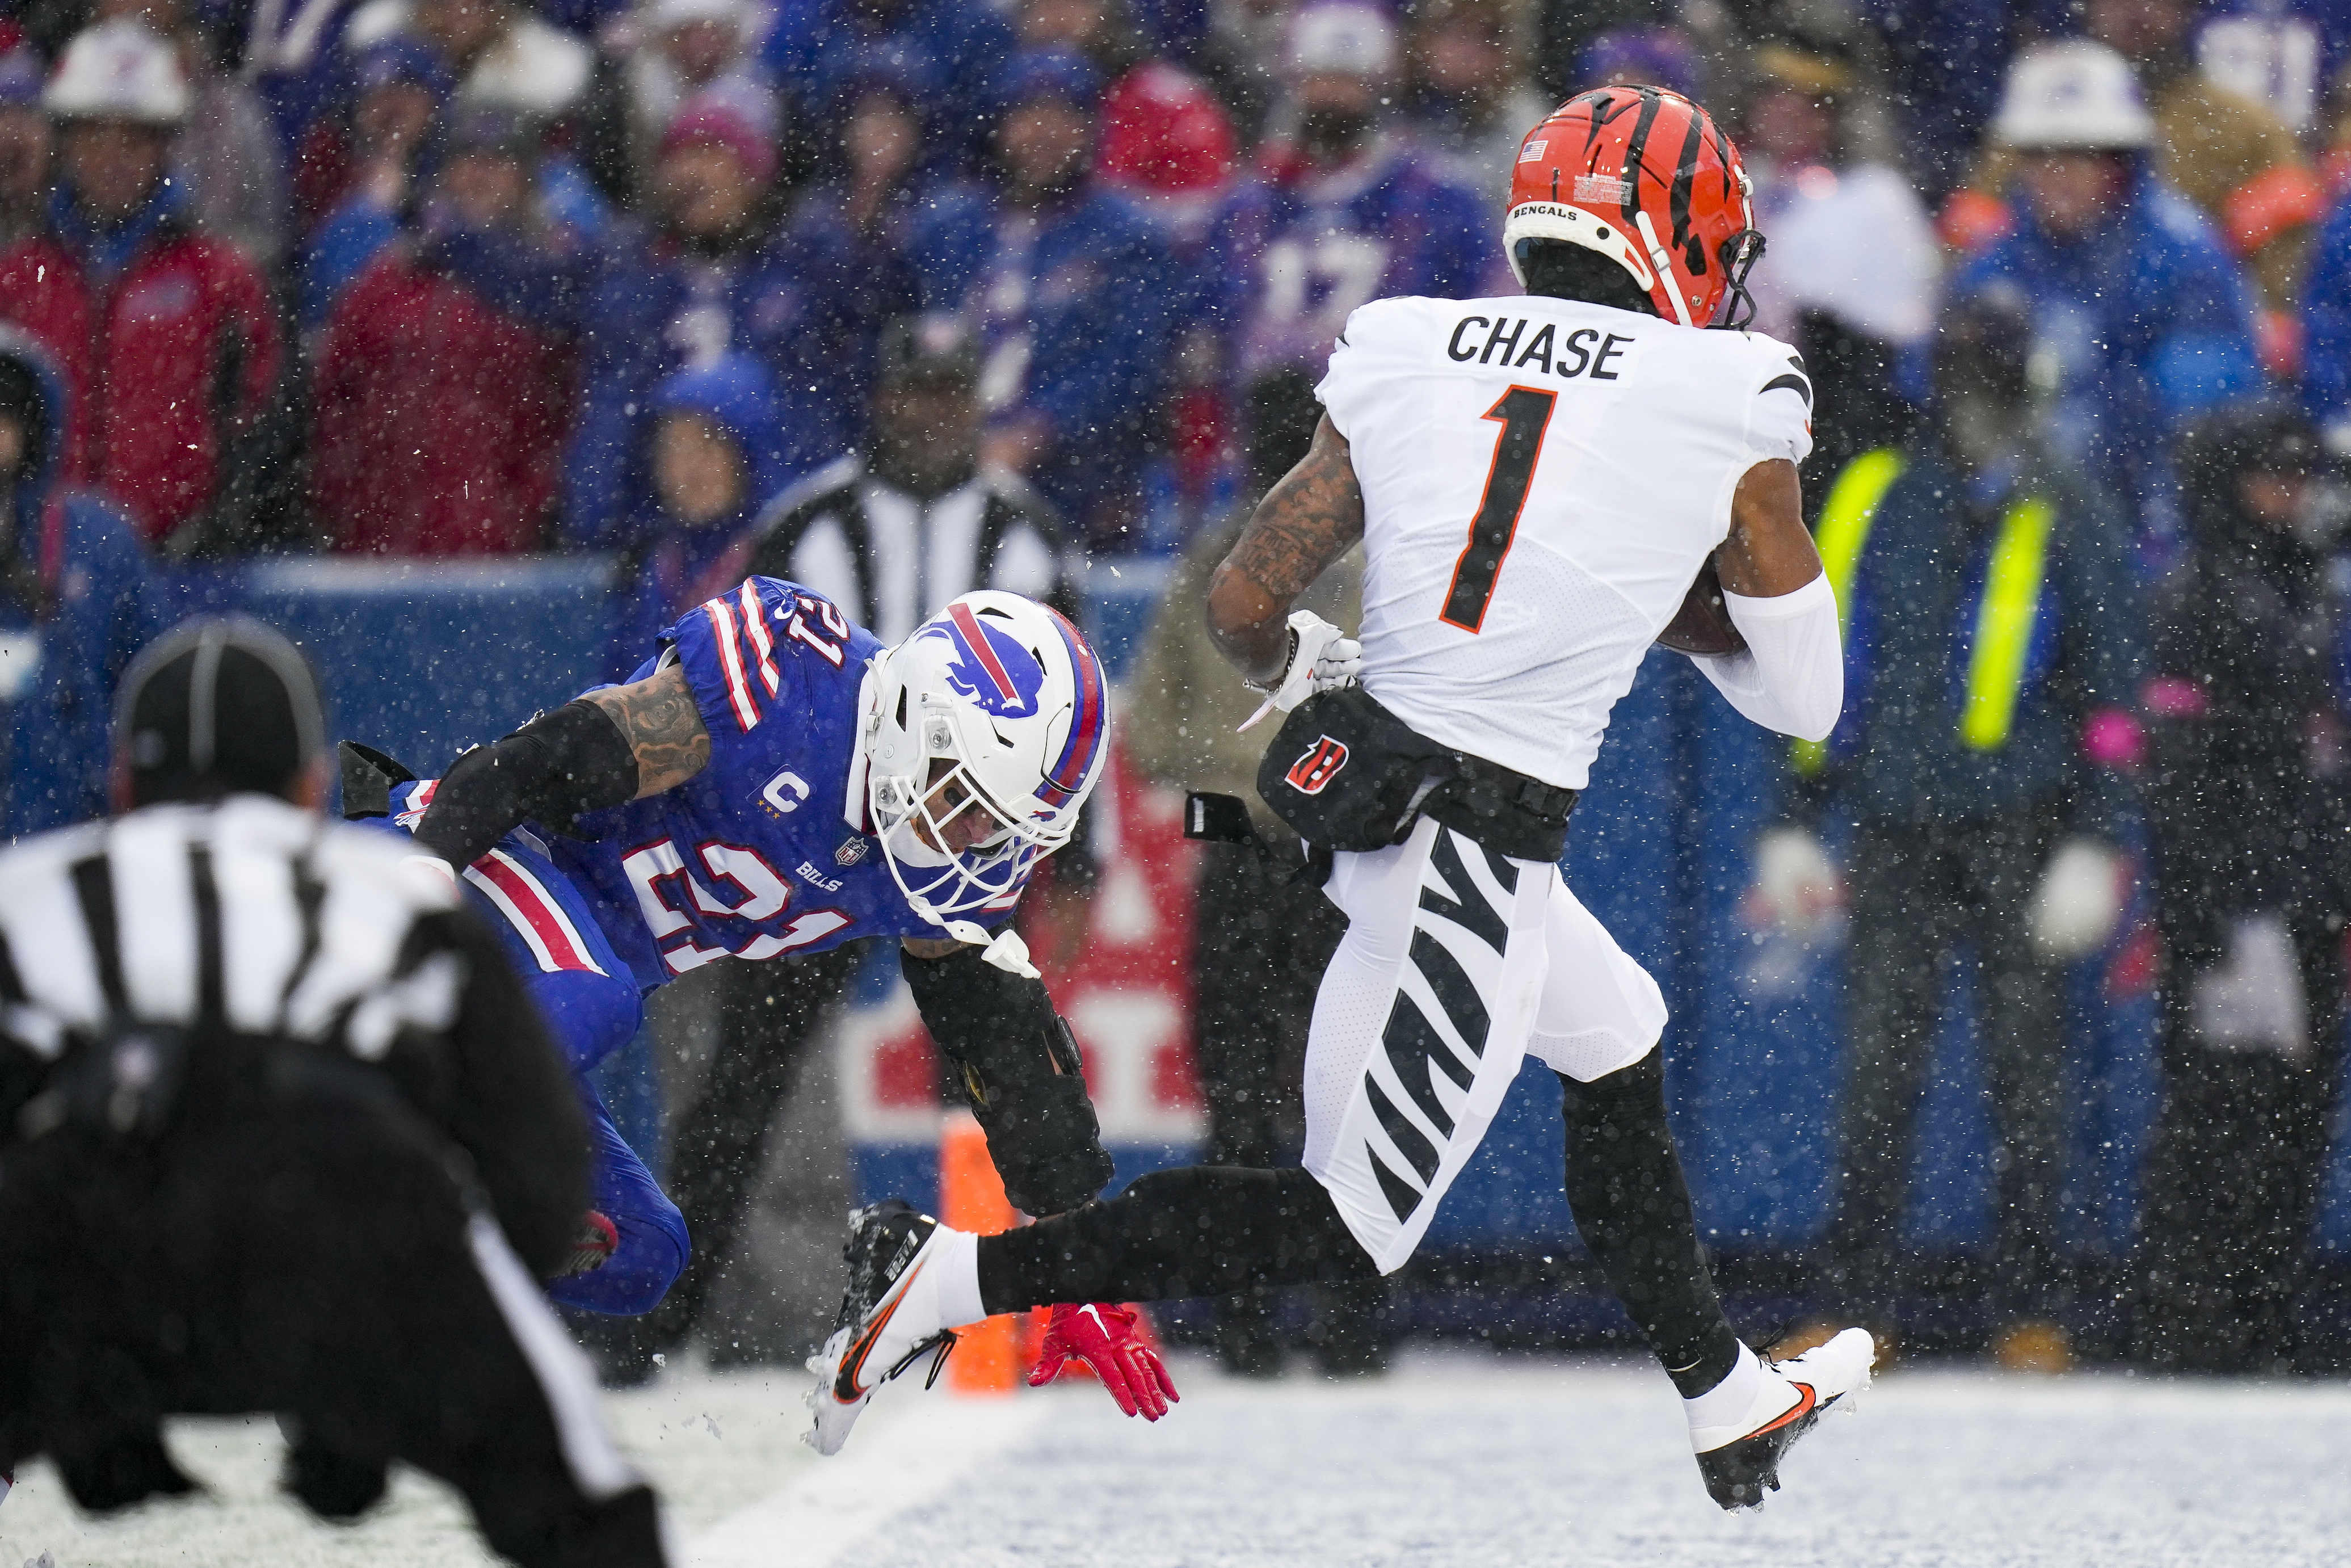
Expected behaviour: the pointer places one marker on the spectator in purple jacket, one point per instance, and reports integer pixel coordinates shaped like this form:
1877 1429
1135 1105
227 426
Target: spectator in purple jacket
1066 282
1344 210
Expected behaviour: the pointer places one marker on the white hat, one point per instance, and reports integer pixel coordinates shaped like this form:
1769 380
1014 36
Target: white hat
119 70
1343 38
2076 94
666 15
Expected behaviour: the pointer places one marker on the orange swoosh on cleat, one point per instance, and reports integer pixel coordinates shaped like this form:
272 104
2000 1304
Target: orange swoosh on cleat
844 1386
1802 1407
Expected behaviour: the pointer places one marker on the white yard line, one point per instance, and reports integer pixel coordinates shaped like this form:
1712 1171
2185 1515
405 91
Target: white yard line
909 1448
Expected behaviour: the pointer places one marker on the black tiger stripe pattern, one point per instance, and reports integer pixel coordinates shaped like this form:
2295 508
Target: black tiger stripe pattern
1416 1049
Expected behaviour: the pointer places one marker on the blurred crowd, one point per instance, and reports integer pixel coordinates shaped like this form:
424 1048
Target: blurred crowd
279 250
907 295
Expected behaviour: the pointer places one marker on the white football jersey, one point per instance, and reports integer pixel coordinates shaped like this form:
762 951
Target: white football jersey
1542 479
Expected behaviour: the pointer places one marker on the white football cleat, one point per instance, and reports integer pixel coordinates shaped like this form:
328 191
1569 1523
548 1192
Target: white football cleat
889 1317
1740 1457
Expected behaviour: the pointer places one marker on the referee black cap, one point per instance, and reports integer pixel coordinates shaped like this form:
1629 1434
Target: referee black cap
218 705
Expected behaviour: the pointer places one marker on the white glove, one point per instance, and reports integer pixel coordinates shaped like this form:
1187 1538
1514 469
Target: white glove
2079 900
1320 657
1797 886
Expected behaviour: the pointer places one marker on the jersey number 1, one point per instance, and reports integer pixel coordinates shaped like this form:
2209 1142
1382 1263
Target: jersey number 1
1524 413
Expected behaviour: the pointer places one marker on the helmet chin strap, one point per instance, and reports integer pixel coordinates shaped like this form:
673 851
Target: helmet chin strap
1004 948
1665 269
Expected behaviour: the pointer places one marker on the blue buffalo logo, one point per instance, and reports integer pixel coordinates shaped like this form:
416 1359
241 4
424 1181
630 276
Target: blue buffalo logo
990 667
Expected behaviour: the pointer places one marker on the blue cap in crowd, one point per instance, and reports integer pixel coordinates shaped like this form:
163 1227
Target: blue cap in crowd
1059 72
401 60
1661 56
735 393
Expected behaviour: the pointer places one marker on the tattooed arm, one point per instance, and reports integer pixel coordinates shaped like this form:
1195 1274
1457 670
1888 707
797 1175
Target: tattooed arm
1305 522
618 744
664 728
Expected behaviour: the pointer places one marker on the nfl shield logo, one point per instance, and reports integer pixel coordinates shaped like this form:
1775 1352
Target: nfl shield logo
850 852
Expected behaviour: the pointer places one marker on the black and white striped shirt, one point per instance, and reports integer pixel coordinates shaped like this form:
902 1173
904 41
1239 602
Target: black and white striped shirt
253 914
265 920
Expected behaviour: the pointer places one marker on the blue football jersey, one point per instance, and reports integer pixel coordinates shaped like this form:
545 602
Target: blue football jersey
757 855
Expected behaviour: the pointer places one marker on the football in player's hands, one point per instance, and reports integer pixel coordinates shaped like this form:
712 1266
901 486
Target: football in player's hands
1703 626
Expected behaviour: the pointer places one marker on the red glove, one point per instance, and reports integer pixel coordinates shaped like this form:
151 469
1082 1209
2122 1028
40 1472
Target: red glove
1102 1336
592 1247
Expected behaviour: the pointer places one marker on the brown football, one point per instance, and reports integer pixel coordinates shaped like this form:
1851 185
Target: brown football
1702 625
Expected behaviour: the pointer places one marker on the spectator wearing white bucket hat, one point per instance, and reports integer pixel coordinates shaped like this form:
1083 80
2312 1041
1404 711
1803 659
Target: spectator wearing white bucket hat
2141 318
163 331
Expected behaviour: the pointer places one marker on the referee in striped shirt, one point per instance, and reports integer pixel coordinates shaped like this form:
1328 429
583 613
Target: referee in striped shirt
280 1132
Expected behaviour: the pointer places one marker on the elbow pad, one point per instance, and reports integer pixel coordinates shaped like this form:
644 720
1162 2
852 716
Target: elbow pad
1004 1040
558 766
1791 677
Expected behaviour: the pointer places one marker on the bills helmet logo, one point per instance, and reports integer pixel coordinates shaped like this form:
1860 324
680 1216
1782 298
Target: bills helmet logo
990 666
1317 765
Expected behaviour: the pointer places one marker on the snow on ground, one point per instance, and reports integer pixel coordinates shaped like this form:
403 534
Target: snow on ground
1458 1458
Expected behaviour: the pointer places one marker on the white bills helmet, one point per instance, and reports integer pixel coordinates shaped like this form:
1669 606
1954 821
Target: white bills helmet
1008 695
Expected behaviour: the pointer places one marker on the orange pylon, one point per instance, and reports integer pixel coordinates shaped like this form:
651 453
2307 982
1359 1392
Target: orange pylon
987 1358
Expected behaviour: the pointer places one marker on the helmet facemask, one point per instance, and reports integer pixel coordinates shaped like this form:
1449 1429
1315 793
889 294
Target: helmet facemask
918 822
1738 254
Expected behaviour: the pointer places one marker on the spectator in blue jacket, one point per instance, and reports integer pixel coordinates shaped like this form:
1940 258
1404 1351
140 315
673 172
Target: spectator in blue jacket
951 51
2141 318
1066 283
1990 634
713 468
2326 332
75 602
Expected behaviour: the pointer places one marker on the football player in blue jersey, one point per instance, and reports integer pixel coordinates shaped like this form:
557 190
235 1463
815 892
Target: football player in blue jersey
774 780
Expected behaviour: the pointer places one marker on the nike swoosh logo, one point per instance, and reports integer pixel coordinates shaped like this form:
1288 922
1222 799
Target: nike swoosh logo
1805 1400
844 1386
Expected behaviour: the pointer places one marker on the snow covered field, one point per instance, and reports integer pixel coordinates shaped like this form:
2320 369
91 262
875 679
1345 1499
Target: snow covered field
1459 1459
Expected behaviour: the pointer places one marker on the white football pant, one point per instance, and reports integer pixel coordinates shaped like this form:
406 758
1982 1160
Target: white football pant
1457 964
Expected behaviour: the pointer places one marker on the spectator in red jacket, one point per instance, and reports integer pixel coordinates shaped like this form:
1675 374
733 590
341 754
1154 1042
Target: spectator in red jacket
420 377
164 333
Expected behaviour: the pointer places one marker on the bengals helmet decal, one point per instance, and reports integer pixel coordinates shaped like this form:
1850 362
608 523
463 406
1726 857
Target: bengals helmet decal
1644 176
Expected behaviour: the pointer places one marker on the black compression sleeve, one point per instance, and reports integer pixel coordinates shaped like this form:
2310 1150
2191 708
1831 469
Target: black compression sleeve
1632 1206
558 764
1208 1231
1019 1068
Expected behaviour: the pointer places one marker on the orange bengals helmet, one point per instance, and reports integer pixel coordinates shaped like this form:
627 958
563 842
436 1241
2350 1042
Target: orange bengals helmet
1644 176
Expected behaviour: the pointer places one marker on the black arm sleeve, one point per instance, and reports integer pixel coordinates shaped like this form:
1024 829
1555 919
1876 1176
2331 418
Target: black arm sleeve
558 764
512 1108
1005 1041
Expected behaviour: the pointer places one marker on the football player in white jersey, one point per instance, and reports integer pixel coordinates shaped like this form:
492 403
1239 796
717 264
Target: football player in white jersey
1540 483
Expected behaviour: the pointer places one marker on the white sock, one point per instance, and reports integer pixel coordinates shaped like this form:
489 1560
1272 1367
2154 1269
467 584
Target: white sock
1728 1403
954 1275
